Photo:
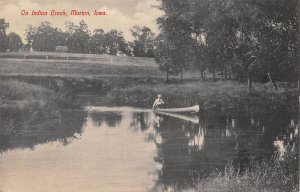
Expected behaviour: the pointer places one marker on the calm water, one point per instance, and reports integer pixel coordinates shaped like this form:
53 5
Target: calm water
129 149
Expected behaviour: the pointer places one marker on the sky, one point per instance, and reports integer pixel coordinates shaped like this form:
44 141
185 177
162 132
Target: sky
121 14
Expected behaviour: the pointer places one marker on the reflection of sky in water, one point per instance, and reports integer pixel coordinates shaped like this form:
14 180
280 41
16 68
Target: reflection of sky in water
197 140
287 141
102 159
134 149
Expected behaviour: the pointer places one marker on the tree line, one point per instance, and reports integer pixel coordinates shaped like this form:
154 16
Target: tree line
246 40
79 39
249 40
11 41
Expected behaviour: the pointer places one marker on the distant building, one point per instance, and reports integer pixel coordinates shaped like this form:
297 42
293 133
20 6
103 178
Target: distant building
62 49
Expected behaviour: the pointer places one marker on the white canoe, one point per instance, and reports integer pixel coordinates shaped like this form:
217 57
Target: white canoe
193 118
193 109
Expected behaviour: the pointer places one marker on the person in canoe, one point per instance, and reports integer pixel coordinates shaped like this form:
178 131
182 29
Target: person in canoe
158 102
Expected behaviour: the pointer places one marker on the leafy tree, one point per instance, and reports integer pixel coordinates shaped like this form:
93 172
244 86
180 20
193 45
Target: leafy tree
44 37
278 38
163 56
3 38
199 11
78 37
29 32
14 41
248 38
98 42
111 43
115 43
143 43
177 28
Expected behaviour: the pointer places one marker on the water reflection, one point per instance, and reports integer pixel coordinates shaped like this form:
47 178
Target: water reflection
137 150
190 151
140 121
111 119
65 128
287 141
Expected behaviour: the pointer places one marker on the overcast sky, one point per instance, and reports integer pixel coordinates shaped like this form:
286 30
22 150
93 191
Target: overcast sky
122 14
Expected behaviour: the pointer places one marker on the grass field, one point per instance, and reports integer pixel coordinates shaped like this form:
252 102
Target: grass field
73 68
102 59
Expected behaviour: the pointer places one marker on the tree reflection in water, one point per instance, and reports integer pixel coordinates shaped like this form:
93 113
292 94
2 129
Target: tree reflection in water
65 128
287 141
112 119
188 151
191 151
180 150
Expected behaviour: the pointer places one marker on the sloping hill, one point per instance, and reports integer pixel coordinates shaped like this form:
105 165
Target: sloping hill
92 58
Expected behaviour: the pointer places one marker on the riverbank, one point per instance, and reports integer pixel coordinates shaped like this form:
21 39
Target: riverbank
137 86
268 175
22 104
223 96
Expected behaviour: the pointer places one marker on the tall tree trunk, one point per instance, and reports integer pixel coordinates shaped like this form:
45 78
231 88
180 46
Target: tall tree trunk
273 83
167 76
249 81
298 58
225 73
229 75
202 74
214 75
181 76
222 74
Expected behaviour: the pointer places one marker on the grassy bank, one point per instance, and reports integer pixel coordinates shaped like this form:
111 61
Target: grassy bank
74 68
268 175
74 57
138 86
222 96
22 104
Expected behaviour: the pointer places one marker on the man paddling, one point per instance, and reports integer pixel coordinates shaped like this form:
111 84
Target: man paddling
158 101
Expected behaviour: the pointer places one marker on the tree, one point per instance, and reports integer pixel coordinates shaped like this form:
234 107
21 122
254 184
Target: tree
177 28
14 42
78 37
248 38
98 42
199 11
115 43
278 38
163 56
111 43
29 32
143 43
44 37
3 38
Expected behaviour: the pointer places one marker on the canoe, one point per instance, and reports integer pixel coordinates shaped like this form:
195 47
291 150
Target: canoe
193 109
193 118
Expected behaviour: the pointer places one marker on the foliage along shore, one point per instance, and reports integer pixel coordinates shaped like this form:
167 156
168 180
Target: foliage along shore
269 175
23 104
226 97
223 96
